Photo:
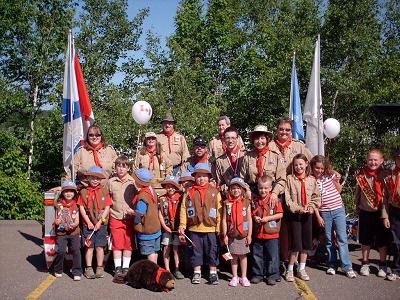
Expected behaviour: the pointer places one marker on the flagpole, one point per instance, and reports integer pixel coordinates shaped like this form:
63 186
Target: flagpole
71 57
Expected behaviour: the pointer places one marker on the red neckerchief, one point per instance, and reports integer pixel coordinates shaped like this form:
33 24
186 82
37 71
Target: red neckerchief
202 191
69 205
95 151
173 205
263 203
203 159
393 185
168 135
260 160
236 214
377 184
224 148
303 179
158 276
93 193
233 156
282 146
147 190
151 152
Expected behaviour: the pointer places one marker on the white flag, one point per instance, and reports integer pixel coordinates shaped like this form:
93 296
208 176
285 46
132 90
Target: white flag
313 108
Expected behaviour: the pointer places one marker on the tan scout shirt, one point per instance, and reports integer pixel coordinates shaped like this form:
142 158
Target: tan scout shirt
392 196
215 147
291 151
272 167
364 204
160 171
179 149
84 159
225 172
293 193
122 193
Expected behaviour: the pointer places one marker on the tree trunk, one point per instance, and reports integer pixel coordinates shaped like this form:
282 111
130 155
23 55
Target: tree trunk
32 130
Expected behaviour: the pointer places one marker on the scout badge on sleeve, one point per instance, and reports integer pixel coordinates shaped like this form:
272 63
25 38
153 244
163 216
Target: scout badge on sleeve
227 255
88 241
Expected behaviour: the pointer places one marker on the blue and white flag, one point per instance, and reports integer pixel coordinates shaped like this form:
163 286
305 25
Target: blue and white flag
295 105
313 108
71 112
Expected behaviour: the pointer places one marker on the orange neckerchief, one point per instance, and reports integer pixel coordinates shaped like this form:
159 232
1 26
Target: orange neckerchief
203 159
282 146
202 191
168 135
393 185
69 205
263 203
173 205
303 179
93 193
233 156
147 190
260 160
236 214
377 184
158 276
151 152
95 151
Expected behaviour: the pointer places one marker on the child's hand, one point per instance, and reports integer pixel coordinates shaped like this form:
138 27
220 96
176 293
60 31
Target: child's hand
90 225
320 221
265 219
257 219
248 240
181 231
97 226
309 209
57 221
167 229
386 223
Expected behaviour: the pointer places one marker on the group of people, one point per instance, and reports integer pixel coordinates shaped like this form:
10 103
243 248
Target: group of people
221 199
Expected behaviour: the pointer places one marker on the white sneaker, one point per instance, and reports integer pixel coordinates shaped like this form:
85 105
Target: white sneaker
58 275
351 274
331 271
391 277
382 272
77 278
364 271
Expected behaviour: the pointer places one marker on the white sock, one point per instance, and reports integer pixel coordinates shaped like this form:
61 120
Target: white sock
302 266
125 262
290 268
117 262
198 272
213 272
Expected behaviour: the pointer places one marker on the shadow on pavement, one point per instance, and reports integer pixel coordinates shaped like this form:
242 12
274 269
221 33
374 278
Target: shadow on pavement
34 239
38 261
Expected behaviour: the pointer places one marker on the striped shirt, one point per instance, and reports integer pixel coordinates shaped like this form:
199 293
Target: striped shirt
330 197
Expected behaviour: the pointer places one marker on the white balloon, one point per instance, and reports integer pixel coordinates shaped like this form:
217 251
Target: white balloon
141 112
331 128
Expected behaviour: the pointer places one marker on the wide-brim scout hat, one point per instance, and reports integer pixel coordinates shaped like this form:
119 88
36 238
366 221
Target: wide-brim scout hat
202 168
143 176
68 186
260 129
172 180
186 176
168 117
238 181
150 134
96 171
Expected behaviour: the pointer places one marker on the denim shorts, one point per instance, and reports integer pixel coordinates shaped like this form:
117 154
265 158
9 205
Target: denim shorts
148 247
170 239
99 238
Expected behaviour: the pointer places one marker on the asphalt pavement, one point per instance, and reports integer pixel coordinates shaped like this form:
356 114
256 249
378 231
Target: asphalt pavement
23 273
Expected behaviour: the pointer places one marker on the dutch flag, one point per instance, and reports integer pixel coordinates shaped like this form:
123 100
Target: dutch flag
76 107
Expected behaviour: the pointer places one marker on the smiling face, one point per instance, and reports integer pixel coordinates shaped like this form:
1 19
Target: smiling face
94 136
68 194
283 132
260 141
93 181
374 160
199 151
222 125
264 188
151 142
168 127
300 166
201 179
231 140
171 189
235 191
318 169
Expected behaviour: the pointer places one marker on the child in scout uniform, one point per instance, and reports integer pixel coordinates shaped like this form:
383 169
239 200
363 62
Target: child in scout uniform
302 197
169 217
392 201
237 229
122 191
186 180
266 228
147 223
373 218
200 214
173 143
94 205
67 230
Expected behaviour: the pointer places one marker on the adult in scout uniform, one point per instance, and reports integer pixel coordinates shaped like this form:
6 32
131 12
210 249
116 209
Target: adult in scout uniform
153 157
94 152
228 165
173 142
200 154
217 145
262 160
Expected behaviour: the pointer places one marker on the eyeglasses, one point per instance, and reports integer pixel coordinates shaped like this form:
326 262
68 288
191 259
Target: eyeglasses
94 134
285 129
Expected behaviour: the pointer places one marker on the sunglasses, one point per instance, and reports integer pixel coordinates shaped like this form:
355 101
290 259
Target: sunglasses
94 134
285 129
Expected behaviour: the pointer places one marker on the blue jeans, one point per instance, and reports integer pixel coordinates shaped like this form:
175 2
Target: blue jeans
266 259
336 220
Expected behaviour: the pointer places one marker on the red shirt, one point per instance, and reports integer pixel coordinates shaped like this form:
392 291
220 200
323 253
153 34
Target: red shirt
266 236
